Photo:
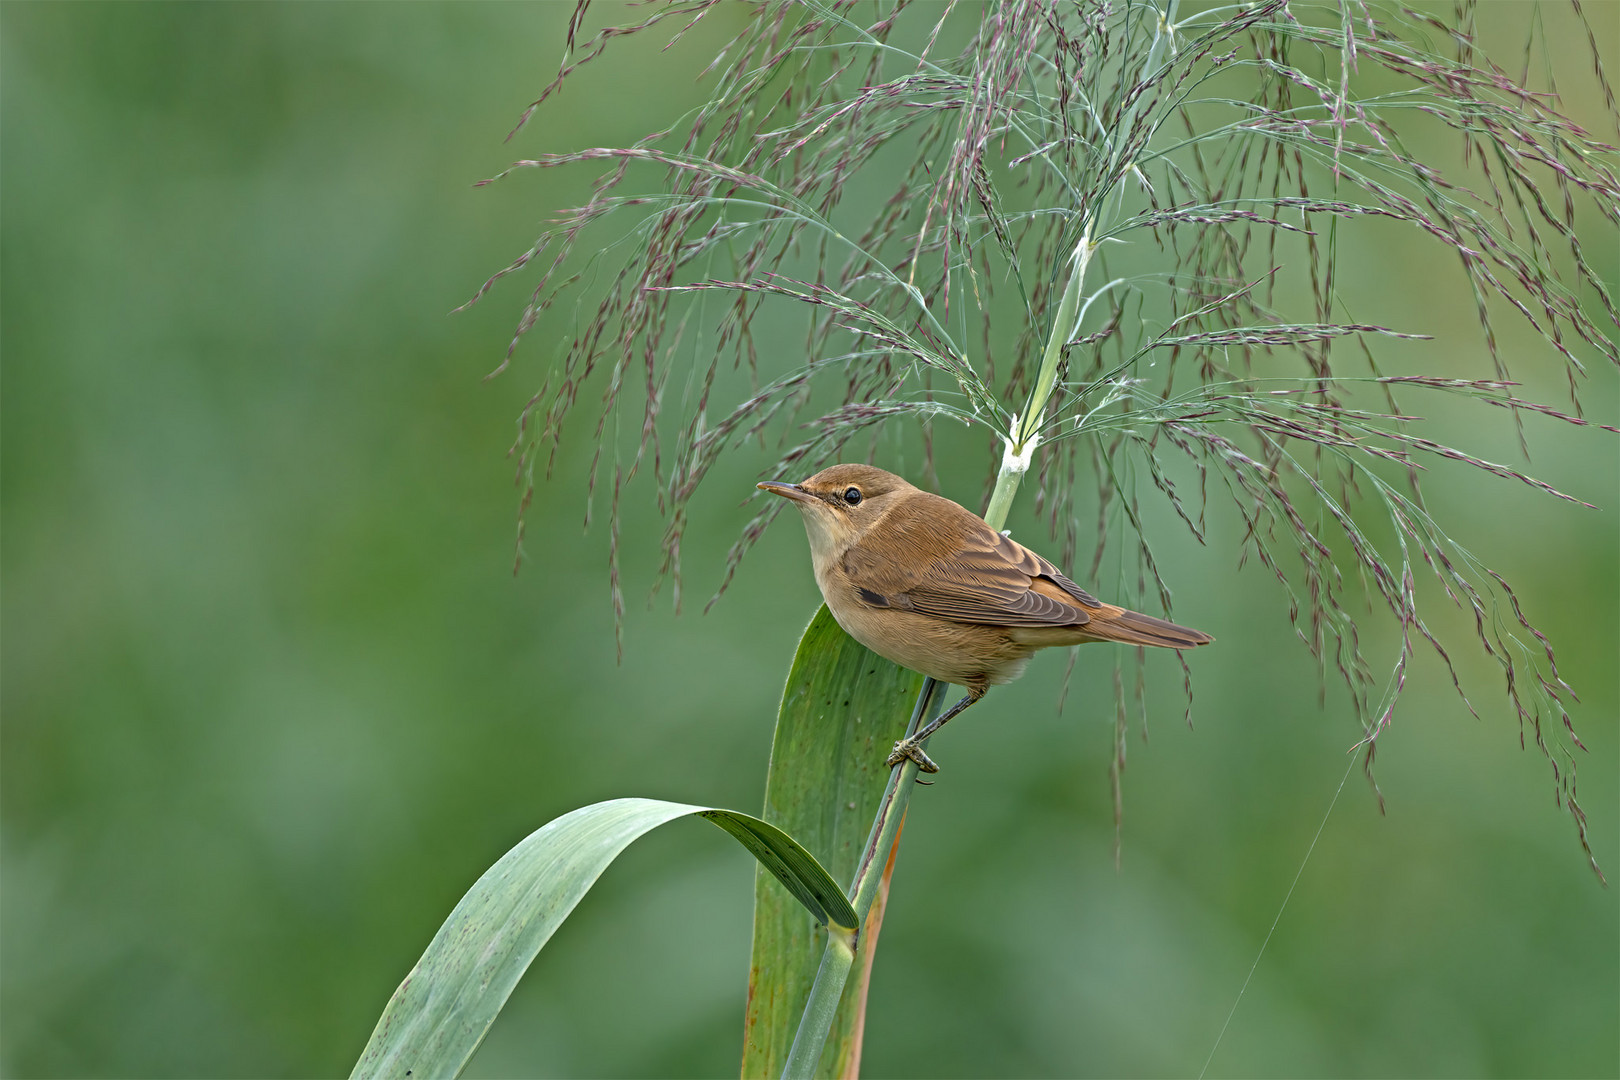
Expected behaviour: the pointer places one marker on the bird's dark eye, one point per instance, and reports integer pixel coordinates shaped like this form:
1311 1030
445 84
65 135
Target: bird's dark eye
852 496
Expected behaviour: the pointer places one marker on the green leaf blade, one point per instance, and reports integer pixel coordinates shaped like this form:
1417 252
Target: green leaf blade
842 709
792 865
436 1019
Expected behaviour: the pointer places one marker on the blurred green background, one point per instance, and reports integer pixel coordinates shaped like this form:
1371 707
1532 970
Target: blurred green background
273 698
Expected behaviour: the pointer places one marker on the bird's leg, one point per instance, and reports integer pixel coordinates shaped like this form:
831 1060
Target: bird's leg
912 747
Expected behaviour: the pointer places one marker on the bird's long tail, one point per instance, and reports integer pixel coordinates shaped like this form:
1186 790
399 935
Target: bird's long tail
1110 623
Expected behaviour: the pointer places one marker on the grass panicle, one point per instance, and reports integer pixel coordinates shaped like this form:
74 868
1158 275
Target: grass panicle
919 180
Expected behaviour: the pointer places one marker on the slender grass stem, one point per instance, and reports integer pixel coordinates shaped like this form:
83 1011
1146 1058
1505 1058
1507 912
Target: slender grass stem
1024 438
821 1007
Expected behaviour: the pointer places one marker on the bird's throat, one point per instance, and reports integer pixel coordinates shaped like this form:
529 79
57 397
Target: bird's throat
831 535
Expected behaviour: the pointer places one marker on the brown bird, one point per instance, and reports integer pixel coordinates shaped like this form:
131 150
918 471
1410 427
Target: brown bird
926 583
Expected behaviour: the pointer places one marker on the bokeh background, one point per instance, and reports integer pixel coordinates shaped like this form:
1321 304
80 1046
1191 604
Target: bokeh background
273 698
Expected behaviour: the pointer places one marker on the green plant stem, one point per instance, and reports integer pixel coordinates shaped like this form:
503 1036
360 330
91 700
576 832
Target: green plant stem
839 957
892 810
822 1009
1025 437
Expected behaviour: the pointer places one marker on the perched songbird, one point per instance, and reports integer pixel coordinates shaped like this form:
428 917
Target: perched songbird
926 583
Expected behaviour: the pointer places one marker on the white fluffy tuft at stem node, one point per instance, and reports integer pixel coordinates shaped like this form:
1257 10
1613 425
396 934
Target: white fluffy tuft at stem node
1016 460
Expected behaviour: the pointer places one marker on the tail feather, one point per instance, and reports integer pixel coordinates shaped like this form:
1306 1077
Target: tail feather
1110 623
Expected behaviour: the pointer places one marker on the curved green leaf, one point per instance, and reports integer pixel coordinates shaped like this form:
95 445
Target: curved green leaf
440 1013
842 709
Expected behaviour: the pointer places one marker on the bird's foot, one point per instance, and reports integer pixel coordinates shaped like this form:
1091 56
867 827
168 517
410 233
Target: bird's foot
908 749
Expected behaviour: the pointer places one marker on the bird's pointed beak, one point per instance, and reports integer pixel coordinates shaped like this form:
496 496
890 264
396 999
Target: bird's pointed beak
788 491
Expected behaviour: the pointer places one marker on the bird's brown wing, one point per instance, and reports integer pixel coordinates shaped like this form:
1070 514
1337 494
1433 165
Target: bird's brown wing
957 568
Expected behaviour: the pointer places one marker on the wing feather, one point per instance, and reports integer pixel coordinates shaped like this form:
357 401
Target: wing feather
959 569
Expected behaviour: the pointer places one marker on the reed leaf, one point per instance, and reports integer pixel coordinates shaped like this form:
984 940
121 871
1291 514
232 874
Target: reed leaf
445 1006
842 708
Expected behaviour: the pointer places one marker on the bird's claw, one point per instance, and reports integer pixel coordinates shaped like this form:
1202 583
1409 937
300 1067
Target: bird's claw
905 750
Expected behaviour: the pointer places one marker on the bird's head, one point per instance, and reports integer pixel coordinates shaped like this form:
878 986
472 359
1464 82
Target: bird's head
840 503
